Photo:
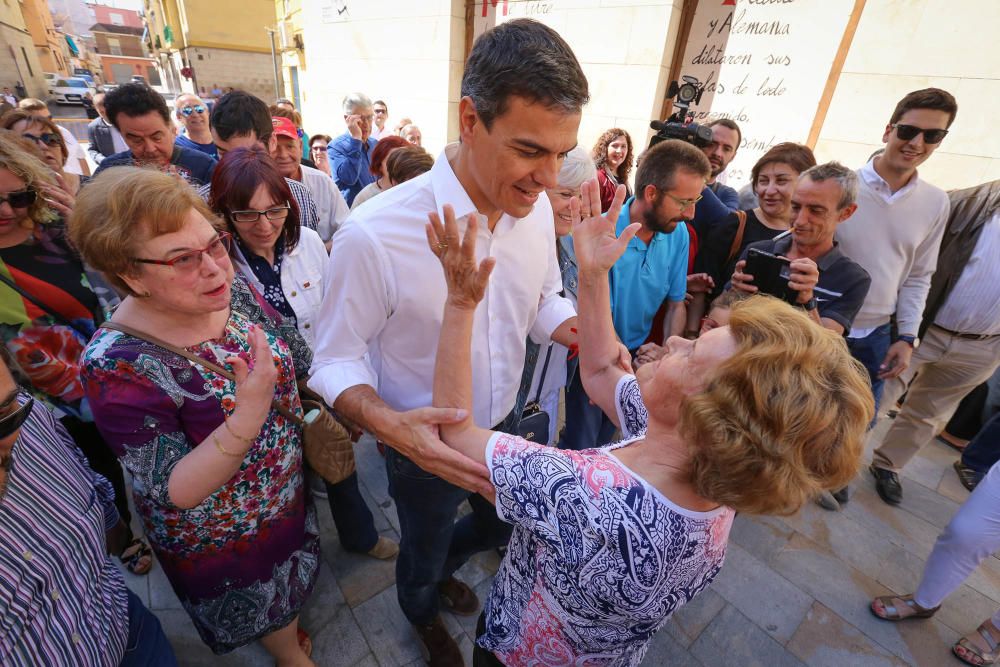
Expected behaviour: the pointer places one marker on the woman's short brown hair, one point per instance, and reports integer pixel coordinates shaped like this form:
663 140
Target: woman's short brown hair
122 208
797 156
12 118
20 157
407 162
783 418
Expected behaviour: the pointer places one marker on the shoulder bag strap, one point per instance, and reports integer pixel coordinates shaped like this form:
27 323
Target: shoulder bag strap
734 249
61 319
215 368
545 369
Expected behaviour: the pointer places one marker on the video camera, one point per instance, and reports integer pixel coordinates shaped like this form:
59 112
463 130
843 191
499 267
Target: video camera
676 126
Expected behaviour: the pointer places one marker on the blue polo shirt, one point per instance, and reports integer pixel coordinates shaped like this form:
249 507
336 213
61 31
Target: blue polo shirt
643 277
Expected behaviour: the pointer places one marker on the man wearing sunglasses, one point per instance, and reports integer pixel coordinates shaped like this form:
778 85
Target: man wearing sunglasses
143 118
895 235
192 114
668 184
67 601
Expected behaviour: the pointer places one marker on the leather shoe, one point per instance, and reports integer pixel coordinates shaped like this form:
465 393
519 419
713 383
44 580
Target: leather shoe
440 649
826 500
887 484
842 495
384 549
457 597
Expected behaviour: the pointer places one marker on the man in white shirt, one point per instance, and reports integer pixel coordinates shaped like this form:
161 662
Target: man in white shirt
287 153
522 92
894 235
381 112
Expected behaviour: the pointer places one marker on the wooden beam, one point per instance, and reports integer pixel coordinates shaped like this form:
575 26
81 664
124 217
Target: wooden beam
680 46
835 70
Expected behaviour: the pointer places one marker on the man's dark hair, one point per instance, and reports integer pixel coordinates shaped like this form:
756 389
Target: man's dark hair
926 98
240 114
382 103
133 100
524 58
660 164
731 124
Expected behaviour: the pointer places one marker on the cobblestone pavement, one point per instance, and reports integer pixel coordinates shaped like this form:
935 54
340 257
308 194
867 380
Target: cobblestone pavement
793 591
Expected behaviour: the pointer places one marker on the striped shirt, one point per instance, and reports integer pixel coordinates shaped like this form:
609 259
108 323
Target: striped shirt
973 305
62 600
308 212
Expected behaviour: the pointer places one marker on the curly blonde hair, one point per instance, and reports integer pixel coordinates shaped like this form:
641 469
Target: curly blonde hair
600 153
783 418
20 157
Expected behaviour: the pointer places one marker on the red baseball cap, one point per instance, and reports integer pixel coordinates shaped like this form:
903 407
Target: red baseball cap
284 127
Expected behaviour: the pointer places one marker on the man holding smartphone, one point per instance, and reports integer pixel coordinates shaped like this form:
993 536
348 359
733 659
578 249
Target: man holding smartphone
828 284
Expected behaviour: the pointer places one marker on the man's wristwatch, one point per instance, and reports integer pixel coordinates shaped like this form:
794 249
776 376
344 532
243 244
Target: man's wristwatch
912 341
809 305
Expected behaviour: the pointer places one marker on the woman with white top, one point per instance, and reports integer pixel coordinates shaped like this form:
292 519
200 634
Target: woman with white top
754 417
287 264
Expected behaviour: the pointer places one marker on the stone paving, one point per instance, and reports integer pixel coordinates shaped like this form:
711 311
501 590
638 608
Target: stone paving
793 591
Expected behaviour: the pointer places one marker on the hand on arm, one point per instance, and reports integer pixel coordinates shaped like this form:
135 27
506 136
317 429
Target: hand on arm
214 462
597 249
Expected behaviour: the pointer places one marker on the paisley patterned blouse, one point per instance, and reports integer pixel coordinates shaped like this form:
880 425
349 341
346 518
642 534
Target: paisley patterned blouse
599 559
243 561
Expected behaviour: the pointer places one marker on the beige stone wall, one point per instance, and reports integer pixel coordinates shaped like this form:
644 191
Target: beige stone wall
252 72
18 39
903 46
407 53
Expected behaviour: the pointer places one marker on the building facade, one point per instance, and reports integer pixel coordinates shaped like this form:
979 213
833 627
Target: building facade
19 63
118 39
50 46
219 44
290 44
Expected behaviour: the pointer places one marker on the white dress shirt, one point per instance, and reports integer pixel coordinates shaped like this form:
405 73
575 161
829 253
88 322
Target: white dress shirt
74 152
332 208
386 291
973 304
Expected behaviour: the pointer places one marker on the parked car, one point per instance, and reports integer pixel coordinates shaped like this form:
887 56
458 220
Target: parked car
70 90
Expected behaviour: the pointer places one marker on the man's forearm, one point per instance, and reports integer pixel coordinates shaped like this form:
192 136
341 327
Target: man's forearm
363 406
564 334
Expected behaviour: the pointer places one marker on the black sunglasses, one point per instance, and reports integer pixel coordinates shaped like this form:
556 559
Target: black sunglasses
47 138
907 132
14 421
19 199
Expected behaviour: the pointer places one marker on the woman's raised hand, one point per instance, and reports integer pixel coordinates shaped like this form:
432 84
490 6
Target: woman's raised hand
254 388
594 240
466 280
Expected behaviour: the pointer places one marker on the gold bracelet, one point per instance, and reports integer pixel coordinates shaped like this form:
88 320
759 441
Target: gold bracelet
218 445
249 441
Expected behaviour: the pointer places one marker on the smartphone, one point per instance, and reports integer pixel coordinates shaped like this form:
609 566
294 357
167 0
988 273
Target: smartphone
770 272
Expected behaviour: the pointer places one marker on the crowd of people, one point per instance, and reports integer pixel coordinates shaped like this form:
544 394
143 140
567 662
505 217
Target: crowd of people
718 352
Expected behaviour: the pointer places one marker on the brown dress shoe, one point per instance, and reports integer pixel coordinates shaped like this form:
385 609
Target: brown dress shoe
440 650
457 597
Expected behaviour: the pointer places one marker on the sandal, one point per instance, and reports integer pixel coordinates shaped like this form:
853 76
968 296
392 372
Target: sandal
969 477
967 651
137 557
305 643
891 613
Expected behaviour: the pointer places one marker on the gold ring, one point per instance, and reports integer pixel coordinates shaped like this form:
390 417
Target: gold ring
442 245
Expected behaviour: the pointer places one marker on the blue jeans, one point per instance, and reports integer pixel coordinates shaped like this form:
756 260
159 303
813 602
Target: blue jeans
432 544
586 424
147 646
984 449
354 521
871 351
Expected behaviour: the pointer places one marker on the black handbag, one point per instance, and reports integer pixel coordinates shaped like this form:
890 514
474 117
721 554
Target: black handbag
534 424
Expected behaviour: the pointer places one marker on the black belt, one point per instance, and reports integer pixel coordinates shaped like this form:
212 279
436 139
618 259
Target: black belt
966 336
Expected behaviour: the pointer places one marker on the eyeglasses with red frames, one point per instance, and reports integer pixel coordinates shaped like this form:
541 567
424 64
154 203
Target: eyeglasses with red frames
190 261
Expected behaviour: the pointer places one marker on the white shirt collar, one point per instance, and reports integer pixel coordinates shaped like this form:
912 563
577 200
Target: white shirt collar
873 180
446 186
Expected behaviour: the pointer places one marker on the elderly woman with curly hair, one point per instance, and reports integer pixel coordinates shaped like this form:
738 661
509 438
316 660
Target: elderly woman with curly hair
194 389
50 306
613 158
753 417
